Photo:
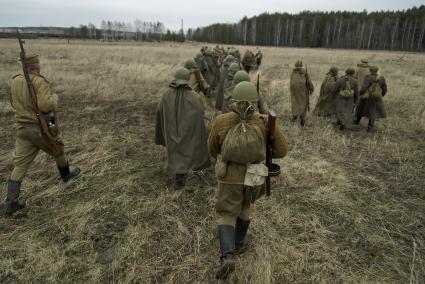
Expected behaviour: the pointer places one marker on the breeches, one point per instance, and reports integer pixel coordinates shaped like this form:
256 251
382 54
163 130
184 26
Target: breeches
29 141
234 200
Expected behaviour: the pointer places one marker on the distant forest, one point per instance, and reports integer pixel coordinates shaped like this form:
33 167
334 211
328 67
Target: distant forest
387 30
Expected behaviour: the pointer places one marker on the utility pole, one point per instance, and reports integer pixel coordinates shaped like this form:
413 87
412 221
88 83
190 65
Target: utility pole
182 30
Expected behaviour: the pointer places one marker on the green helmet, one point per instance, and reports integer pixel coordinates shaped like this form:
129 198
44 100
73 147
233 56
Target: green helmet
182 76
190 64
240 76
374 69
208 52
333 70
229 59
299 63
234 67
350 71
245 91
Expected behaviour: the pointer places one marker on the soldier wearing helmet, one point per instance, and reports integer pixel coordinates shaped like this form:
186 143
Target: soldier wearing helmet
301 89
326 102
196 80
181 130
235 199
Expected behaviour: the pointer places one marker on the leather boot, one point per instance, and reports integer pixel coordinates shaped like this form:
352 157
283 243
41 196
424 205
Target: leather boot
227 247
179 181
241 238
12 202
370 125
302 121
67 174
294 118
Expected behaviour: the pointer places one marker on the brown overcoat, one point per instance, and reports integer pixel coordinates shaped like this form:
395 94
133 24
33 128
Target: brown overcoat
326 104
180 128
301 88
369 107
344 106
361 72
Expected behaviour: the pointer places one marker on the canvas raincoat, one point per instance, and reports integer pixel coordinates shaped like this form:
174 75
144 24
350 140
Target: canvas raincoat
300 88
180 128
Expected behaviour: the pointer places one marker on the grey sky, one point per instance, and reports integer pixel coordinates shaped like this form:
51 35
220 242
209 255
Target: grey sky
194 12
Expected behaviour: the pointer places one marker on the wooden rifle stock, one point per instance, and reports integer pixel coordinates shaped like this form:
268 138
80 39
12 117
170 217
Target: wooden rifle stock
271 125
55 146
199 80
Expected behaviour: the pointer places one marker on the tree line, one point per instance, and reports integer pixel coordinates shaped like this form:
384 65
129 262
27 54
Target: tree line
387 30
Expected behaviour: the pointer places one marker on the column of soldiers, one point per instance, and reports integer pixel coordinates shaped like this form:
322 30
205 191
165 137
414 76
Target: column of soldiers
181 129
356 94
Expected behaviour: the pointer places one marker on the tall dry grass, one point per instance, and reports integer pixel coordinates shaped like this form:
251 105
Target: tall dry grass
348 208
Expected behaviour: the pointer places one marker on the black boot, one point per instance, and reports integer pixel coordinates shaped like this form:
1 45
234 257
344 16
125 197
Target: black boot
179 181
66 174
227 247
241 238
302 121
294 118
342 126
12 202
370 125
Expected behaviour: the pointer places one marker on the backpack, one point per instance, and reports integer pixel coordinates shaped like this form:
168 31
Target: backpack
348 92
244 143
375 91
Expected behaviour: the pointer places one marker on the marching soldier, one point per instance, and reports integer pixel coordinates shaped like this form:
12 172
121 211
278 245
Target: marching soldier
346 93
371 105
29 137
301 88
326 103
196 80
235 200
362 71
180 128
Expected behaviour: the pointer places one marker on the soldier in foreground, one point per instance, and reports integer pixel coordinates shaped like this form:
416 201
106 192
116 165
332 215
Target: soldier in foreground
346 94
237 141
180 128
326 103
301 89
371 104
31 100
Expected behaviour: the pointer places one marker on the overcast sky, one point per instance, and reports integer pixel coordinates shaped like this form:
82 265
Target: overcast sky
194 12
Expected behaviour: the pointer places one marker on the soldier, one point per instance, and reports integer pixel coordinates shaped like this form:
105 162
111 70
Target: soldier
362 71
371 103
248 61
29 139
223 75
213 72
258 58
196 81
200 64
346 94
326 104
180 128
235 200
240 76
301 88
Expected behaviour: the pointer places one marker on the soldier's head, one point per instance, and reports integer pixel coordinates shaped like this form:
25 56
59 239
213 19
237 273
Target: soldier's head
233 68
245 92
364 61
182 76
190 64
240 76
229 59
333 70
33 62
350 71
298 64
374 70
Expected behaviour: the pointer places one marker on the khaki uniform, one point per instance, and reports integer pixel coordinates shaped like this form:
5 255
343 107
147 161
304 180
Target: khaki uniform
326 103
233 197
300 88
29 139
361 72
344 106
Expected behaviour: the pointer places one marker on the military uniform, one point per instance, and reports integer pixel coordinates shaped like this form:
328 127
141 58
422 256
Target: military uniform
344 105
362 71
370 107
235 200
180 128
326 102
29 138
301 88
220 90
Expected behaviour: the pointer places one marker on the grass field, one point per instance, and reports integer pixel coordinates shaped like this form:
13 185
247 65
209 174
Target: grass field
349 208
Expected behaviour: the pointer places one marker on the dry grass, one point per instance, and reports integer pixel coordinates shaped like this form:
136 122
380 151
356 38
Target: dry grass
349 208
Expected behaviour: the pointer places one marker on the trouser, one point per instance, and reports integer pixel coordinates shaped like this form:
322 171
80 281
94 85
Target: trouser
370 124
29 141
234 200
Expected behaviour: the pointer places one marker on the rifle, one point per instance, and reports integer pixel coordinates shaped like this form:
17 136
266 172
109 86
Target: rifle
258 84
307 79
274 169
199 80
45 124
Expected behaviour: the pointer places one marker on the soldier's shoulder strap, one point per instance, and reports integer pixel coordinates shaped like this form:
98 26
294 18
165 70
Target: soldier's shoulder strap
17 75
41 76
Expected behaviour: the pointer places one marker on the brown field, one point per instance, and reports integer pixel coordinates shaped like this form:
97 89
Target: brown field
350 207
